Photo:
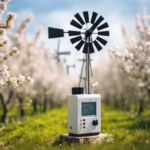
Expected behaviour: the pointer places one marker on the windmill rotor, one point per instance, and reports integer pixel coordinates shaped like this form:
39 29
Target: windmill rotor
96 24
76 36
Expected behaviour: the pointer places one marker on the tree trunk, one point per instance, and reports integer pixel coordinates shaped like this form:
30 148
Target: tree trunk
34 106
4 109
51 103
4 115
44 105
21 106
128 106
122 102
135 109
141 106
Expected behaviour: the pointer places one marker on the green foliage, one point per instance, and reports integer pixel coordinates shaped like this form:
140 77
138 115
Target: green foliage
41 130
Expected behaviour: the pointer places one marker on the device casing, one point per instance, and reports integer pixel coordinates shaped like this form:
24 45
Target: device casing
75 118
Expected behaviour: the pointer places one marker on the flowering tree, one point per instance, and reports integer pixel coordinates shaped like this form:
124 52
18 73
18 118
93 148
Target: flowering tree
52 84
133 60
6 80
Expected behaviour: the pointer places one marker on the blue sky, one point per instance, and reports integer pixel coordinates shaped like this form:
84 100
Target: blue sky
59 13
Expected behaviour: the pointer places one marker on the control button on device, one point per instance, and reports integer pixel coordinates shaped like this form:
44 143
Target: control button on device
83 119
83 126
95 122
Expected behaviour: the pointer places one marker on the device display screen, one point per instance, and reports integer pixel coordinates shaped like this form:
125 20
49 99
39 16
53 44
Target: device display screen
88 108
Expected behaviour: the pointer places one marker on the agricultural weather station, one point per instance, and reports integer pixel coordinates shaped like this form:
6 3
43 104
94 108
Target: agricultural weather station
74 75
84 109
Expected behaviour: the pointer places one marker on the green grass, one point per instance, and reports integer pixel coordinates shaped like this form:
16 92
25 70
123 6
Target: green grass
41 130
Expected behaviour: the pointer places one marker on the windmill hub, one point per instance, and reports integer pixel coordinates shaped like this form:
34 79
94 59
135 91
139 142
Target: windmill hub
88 33
84 109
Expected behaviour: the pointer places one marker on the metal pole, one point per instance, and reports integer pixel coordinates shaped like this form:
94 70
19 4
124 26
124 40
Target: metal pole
87 69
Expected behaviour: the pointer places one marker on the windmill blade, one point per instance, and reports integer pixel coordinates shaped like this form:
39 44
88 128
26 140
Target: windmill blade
73 33
75 24
64 53
85 49
55 33
76 39
104 42
104 33
91 48
98 21
86 16
79 45
103 26
94 15
78 17
97 45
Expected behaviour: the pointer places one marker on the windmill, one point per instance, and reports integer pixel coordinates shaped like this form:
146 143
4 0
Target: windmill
60 53
85 43
84 117
70 66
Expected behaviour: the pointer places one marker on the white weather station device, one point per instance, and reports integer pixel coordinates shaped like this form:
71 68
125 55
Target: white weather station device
84 107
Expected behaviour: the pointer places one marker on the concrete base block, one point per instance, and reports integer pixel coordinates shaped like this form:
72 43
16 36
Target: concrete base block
86 139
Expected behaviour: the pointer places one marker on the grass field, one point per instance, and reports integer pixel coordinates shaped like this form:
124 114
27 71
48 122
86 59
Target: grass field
41 130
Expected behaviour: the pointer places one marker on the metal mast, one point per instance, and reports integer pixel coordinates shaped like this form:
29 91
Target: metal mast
87 80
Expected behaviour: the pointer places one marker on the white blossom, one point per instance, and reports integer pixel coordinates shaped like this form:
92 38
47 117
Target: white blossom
13 82
30 81
2 84
21 79
15 50
3 41
2 32
7 57
148 46
6 0
11 15
131 56
10 25
126 53
5 75
2 7
141 84
148 60
2 61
